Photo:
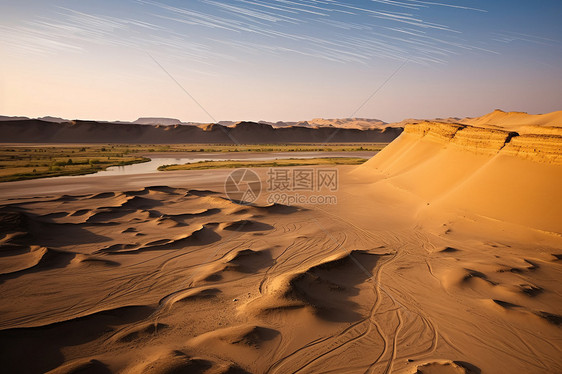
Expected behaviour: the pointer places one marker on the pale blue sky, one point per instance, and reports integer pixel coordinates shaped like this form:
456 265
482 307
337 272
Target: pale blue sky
279 59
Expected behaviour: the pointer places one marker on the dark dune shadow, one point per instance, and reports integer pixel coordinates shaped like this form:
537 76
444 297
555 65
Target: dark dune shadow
38 349
505 304
12 249
203 236
551 318
449 250
43 231
471 369
201 193
180 217
247 226
248 261
50 234
51 259
328 287
83 367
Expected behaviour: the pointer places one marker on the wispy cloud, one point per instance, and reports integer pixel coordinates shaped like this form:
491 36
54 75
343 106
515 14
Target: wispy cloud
511 37
335 31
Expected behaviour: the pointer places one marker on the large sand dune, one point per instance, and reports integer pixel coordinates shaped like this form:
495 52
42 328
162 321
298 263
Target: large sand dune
496 173
441 256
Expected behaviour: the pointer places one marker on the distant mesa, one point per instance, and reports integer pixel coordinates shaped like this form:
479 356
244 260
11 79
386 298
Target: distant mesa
157 121
280 123
53 119
346 123
172 131
45 118
16 118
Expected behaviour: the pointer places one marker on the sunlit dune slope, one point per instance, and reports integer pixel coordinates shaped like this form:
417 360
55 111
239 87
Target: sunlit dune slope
494 172
519 121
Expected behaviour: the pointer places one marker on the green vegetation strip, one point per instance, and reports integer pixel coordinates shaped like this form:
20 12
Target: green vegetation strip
21 163
293 147
202 165
32 161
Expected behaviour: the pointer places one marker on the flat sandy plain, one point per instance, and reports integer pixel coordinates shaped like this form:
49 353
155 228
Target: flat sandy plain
442 255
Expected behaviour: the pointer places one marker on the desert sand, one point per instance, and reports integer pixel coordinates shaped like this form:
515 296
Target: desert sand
442 255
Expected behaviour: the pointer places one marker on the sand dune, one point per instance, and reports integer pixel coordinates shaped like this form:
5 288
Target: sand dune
518 121
495 173
346 123
443 255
